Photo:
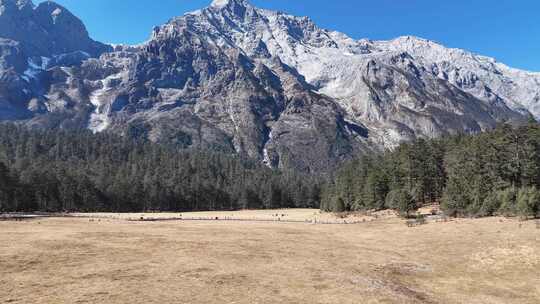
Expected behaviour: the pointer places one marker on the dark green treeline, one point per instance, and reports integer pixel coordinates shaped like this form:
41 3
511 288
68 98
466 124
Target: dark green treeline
497 172
78 171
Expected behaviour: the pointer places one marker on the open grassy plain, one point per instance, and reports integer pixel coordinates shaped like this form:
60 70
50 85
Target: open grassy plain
107 259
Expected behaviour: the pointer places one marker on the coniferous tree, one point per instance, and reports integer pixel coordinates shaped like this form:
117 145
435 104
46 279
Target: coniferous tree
528 202
471 175
60 170
339 205
6 189
402 201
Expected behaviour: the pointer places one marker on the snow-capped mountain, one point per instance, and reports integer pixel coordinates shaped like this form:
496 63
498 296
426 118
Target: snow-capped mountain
265 84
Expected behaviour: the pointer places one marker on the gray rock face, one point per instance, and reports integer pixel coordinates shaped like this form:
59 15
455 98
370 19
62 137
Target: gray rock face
34 40
46 30
14 91
263 84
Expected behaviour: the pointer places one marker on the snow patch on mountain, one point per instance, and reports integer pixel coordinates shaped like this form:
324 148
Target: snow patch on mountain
35 68
333 62
101 100
219 3
390 87
482 76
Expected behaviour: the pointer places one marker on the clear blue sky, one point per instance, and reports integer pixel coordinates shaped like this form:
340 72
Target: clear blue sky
508 30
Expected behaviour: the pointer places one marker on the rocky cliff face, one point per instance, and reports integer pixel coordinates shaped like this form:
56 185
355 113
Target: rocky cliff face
264 84
33 42
46 30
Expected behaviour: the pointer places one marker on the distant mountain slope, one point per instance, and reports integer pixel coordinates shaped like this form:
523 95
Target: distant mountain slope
264 84
32 40
46 30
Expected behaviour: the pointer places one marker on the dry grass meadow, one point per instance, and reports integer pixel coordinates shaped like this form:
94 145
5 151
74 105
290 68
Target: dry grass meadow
106 259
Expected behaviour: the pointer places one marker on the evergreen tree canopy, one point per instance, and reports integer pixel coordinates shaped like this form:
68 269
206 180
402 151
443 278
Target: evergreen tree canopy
471 175
59 170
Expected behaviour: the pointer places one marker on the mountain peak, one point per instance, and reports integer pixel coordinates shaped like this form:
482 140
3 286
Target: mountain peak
46 30
226 3
15 6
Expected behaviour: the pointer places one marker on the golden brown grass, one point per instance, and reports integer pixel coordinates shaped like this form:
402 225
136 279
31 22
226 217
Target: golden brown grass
75 260
301 215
